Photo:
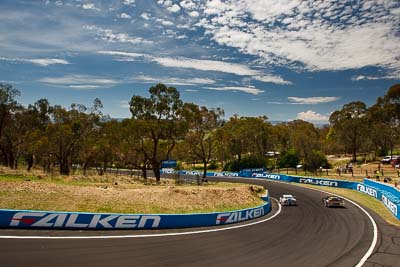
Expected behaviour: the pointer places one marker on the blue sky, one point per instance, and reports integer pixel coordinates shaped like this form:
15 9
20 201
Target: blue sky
287 59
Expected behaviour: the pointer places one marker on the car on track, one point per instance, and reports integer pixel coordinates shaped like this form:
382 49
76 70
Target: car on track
333 201
288 200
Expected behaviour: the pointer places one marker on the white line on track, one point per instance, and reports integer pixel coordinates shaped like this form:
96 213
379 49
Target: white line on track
374 226
148 235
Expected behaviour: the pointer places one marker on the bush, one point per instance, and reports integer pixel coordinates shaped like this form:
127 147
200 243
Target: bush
288 159
249 162
315 160
212 166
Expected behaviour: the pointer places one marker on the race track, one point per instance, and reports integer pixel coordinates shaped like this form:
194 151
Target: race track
307 235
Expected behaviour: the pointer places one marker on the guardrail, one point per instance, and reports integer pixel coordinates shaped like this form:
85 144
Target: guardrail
82 220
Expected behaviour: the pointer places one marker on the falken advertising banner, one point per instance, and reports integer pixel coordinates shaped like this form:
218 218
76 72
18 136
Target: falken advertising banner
271 176
371 191
389 195
79 220
323 182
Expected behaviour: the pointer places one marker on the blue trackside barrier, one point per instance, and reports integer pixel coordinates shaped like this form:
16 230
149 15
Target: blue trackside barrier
80 220
384 187
369 190
222 174
389 195
248 173
324 182
272 176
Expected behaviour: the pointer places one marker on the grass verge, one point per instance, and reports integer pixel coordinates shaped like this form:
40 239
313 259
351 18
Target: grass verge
118 196
362 199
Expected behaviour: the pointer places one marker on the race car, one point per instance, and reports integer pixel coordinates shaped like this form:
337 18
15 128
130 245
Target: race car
287 200
333 201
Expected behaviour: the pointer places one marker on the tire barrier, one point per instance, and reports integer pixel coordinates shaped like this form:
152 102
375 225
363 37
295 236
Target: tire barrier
101 221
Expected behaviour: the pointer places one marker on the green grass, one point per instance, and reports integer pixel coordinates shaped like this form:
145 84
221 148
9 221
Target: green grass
362 199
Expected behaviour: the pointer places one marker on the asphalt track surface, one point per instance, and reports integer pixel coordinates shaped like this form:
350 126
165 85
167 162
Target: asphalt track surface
306 235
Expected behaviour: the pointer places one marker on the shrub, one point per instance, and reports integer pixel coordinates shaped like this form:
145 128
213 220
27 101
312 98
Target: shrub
248 162
288 159
213 165
315 160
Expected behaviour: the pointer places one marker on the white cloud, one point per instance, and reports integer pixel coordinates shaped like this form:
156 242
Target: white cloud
312 116
90 6
359 78
313 35
84 86
79 81
271 79
212 65
174 8
249 90
129 2
167 23
187 4
203 65
174 81
110 36
124 104
38 61
395 75
145 16
125 16
312 100
194 14
121 54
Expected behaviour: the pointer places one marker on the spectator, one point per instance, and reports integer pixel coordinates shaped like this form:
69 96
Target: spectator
378 175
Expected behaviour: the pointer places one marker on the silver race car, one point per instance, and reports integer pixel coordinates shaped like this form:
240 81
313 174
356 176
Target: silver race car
287 200
333 201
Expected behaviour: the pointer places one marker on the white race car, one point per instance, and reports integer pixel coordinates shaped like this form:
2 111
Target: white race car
287 200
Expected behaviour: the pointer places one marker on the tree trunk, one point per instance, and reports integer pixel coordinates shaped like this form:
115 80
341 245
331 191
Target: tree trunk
11 160
85 167
144 172
354 155
205 169
31 160
156 170
64 167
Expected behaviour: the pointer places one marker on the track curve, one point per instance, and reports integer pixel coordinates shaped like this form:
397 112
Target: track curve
306 235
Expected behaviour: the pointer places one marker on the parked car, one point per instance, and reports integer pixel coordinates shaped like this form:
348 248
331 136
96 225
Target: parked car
388 159
333 201
287 200
395 161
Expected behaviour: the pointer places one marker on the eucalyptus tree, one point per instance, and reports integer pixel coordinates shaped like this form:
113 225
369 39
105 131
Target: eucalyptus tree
134 147
161 118
202 124
304 138
69 128
384 119
234 134
350 125
281 134
37 118
8 106
106 148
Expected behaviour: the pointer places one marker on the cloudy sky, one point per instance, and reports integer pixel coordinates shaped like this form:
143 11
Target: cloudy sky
286 59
